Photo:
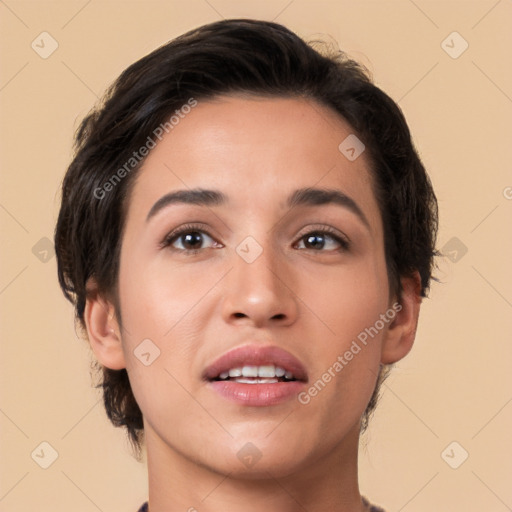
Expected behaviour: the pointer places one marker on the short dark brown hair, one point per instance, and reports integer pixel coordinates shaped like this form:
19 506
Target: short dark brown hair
227 57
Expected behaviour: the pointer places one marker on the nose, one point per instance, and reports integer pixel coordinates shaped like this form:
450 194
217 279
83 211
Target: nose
259 293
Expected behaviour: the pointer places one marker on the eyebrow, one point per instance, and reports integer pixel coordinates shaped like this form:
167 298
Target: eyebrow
301 197
197 196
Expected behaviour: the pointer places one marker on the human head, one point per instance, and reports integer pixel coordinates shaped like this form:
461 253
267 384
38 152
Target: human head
228 57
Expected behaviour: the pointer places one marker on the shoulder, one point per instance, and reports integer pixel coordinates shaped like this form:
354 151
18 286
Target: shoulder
370 507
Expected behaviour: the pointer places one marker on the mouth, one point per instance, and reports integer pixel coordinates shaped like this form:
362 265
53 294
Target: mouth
250 364
257 376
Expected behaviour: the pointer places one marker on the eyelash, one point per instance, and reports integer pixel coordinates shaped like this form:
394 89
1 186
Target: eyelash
201 228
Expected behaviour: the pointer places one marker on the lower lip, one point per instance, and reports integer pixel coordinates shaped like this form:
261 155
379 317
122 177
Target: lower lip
257 395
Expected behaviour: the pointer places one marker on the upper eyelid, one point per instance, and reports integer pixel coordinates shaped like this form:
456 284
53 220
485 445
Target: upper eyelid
315 228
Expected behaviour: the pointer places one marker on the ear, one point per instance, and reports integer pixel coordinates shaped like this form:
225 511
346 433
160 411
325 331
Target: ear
400 335
103 329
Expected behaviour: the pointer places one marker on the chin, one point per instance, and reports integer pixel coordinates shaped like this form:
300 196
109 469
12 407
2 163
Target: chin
256 458
262 469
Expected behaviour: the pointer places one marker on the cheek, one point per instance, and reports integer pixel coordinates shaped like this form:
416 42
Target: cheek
346 358
159 323
163 312
156 296
346 300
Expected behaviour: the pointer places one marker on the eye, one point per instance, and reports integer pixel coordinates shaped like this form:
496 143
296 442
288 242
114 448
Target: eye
189 239
322 240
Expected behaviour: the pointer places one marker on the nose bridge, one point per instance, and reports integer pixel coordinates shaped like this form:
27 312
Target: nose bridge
256 289
256 268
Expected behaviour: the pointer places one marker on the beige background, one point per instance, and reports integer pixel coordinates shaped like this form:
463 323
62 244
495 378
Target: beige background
456 383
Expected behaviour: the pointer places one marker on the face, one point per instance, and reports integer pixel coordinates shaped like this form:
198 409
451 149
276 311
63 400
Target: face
259 272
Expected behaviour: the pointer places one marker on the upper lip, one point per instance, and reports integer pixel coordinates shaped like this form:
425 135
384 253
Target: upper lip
256 355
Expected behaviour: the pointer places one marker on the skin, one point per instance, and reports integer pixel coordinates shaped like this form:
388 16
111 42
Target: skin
310 301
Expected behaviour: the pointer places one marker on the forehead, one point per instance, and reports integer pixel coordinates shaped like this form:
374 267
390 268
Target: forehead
257 151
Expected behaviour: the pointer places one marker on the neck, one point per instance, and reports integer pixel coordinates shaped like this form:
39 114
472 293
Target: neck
177 483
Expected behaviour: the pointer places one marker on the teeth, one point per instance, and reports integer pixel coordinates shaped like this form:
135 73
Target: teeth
267 373
280 371
250 371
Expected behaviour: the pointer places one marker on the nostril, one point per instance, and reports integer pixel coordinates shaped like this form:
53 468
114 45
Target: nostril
239 315
279 316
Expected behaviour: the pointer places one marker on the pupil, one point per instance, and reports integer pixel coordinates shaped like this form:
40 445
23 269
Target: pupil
192 239
315 241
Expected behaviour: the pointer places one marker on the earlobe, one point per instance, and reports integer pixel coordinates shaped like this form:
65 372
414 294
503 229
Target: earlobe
103 329
400 335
